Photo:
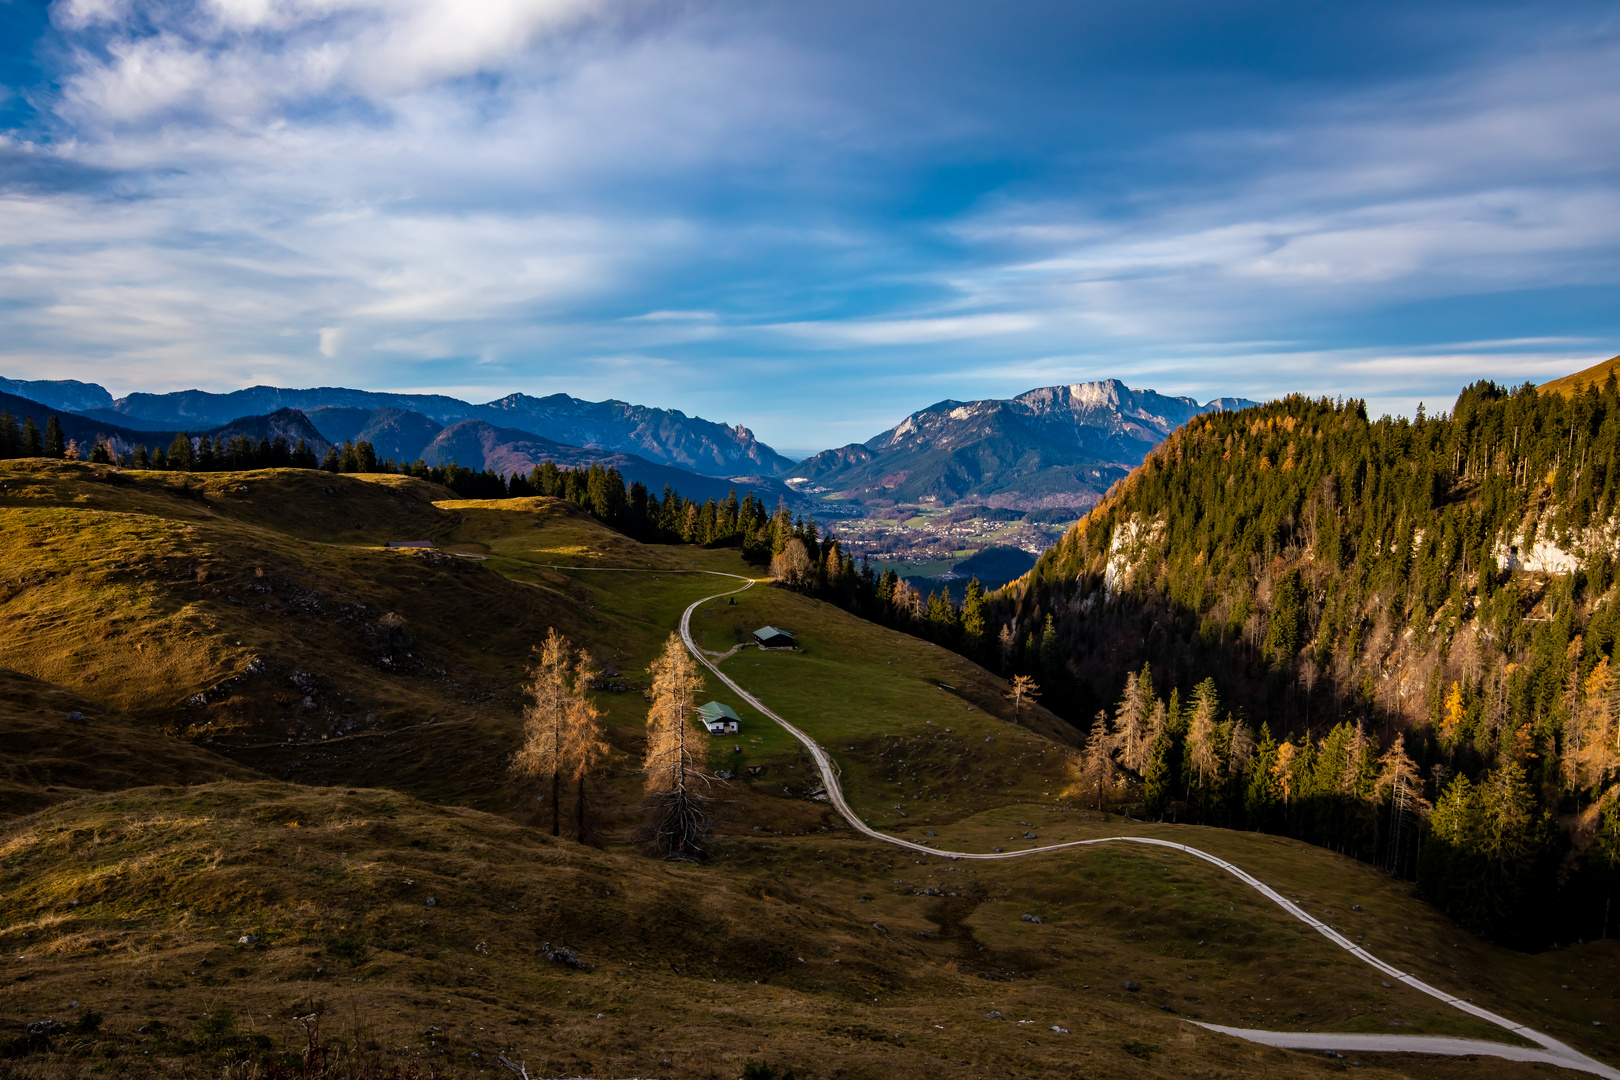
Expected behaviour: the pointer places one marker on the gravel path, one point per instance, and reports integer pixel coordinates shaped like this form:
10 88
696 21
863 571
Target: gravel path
1551 1051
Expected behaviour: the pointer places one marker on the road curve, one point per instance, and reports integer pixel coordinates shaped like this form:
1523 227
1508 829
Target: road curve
1551 1052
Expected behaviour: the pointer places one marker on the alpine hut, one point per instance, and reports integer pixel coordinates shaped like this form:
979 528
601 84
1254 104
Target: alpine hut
718 718
769 637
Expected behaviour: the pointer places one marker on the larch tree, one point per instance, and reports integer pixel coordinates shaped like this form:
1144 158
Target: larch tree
1130 737
557 706
1093 769
1400 783
674 762
585 746
1203 749
1283 771
1023 689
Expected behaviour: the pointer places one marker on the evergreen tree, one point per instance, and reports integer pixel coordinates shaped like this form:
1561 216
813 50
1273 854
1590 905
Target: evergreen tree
1261 794
32 446
55 444
11 441
179 456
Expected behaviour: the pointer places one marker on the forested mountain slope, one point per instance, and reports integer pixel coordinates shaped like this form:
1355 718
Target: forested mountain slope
1425 607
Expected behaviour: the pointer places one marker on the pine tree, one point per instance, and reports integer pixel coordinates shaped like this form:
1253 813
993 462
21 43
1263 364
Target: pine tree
10 436
55 444
32 447
674 762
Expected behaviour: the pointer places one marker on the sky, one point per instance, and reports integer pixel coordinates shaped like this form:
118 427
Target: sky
809 218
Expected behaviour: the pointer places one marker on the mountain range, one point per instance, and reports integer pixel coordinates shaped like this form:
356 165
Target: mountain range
1057 446
667 436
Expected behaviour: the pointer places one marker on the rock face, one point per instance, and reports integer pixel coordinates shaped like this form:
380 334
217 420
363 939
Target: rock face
1053 446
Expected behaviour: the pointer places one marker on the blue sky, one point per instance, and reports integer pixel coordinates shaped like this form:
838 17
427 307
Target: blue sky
809 218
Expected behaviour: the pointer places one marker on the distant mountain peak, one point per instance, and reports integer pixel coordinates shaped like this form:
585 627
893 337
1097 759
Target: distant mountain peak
1052 446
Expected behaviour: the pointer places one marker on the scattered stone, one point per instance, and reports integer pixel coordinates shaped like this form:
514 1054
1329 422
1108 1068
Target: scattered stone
880 928
559 955
1030 918
1029 836
247 939
46 1028
1060 1030
994 1015
1355 907
432 901
929 832
1131 986
996 849
76 716
1386 986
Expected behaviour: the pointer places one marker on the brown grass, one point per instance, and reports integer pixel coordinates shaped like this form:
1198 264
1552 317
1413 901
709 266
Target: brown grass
1593 376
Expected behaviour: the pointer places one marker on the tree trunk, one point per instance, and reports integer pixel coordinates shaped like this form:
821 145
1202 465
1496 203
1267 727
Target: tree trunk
556 802
579 811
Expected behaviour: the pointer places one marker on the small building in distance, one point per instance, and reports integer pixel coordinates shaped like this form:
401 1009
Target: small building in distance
718 718
769 637
410 543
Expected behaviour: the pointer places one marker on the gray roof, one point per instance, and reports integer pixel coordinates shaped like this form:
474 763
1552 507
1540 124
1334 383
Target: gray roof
771 631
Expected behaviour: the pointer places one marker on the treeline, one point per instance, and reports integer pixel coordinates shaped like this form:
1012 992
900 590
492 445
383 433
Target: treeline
1444 584
600 490
1490 853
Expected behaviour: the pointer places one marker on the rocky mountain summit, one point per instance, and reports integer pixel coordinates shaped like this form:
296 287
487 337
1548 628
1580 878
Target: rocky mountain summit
1056 446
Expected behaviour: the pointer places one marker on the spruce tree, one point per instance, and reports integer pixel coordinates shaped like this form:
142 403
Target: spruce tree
55 444
180 452
32 446
10 436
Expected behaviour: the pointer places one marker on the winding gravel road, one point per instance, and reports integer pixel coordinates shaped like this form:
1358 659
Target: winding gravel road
1550 1052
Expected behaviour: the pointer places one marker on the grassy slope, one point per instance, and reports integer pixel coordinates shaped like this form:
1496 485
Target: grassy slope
1580 380
177 874
132 905
49 758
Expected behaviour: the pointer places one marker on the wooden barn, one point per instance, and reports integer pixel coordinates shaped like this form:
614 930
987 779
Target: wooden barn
718 718
770 637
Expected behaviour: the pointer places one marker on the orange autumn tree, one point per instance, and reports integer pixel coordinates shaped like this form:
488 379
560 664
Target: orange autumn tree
674 762
562 739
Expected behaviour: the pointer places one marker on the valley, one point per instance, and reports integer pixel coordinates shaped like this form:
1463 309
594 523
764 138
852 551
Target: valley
322 815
